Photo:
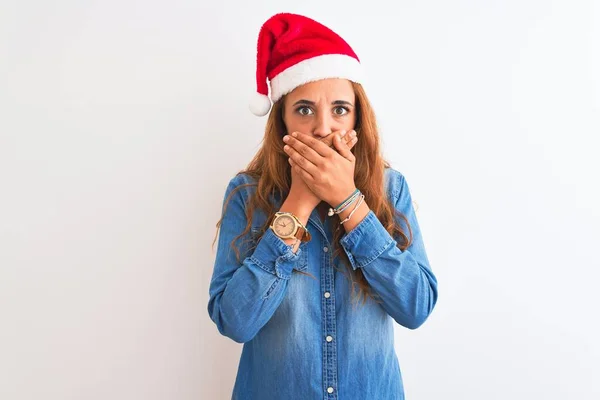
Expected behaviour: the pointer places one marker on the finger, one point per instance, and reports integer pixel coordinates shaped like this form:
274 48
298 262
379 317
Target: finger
346 139
300 160
343 149
299 170
304 150
346 136
328 140
316 145
350 140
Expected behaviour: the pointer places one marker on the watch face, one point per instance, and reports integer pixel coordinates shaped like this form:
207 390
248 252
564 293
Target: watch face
284 225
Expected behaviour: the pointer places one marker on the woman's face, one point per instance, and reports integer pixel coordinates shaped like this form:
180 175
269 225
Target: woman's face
320 108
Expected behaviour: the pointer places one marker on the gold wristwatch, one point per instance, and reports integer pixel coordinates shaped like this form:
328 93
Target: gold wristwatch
287 226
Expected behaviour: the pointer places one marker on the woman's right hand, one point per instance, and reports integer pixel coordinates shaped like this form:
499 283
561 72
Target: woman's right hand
302 198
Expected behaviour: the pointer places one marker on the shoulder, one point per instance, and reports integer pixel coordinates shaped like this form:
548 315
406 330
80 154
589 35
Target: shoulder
395 182
246 185
239 179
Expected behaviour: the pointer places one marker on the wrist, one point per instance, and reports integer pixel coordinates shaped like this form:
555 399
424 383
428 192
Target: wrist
361 212
301 211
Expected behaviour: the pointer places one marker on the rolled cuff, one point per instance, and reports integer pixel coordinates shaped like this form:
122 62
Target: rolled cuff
367 241
275 256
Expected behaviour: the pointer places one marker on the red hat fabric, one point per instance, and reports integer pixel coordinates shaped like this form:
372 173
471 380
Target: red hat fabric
293 50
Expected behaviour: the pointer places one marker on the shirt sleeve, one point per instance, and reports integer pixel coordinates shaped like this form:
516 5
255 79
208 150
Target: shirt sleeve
244 295
403 280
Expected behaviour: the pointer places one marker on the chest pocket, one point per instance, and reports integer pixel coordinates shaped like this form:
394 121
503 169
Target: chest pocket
302 263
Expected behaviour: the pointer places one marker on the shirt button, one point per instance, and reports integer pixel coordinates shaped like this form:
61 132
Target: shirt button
327 295
329 389
329 338
325 249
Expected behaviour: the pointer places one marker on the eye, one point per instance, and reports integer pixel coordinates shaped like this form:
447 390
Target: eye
340 110
304 110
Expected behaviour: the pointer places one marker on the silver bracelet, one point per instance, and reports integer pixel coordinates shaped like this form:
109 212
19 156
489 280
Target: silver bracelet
362 197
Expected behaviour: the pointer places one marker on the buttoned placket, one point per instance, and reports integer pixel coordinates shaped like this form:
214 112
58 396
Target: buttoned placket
328 322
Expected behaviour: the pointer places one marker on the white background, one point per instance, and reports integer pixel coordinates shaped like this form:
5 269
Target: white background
121 123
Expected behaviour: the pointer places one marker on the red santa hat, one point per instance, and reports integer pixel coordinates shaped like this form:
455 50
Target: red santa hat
293 50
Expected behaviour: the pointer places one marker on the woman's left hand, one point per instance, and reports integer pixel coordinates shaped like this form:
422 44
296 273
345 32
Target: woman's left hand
327 172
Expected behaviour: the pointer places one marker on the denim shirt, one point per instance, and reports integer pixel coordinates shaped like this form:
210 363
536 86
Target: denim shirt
302 337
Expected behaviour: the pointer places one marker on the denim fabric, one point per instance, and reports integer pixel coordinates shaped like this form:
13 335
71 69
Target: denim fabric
303 339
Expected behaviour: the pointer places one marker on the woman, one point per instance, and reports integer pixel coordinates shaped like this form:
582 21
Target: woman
316 222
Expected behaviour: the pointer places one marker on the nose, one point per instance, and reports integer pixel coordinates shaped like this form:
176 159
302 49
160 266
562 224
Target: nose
324 125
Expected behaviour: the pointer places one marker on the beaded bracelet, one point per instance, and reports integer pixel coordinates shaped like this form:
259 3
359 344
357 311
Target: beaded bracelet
348 198
344 204
348 204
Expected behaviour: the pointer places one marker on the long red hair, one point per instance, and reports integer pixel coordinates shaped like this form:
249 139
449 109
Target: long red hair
271 159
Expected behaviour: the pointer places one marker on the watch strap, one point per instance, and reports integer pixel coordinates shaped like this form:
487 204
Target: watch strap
302 234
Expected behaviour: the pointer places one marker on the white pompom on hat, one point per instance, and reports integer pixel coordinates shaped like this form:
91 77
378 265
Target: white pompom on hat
293 50
260 104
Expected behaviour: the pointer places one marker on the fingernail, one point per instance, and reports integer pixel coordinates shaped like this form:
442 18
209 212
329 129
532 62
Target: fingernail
343 133
286 138
294 134
352 133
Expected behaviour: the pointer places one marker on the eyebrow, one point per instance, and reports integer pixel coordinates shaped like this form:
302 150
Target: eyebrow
333 103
